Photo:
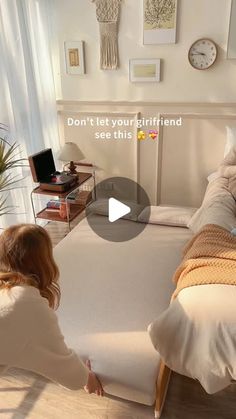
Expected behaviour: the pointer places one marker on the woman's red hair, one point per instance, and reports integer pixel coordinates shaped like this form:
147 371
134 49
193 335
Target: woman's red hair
26 257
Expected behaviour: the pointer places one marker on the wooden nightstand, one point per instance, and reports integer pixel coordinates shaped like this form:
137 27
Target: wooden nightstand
73 209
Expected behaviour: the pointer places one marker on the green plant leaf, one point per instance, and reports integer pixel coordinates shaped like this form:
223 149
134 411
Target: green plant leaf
8 161
5 209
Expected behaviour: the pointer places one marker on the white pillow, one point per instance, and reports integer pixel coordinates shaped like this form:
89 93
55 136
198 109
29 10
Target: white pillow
231 139
230 143
100 207
167 215
213 176
218 207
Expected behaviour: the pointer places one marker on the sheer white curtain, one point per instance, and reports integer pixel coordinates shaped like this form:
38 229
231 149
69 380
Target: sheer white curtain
27 101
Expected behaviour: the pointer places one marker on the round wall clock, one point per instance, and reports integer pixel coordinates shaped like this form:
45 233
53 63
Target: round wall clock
202 54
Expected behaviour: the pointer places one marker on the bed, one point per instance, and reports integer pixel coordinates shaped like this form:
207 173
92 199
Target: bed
203 308
108 300
173 175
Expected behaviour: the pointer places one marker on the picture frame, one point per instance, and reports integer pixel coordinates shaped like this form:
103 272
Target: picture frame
74 57
159 21
144 70
231 44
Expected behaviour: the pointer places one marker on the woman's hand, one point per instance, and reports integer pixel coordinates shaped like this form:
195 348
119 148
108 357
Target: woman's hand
93 384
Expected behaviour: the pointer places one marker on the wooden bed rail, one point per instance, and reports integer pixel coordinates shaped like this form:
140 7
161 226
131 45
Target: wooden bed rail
162 387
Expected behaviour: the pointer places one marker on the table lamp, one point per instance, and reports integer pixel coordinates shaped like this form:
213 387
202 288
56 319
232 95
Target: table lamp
70 152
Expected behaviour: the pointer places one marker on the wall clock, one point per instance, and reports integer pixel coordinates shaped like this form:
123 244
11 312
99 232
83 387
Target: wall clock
202 54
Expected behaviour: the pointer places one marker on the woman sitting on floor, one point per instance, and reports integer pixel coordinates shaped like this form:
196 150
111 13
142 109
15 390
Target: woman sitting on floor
29 292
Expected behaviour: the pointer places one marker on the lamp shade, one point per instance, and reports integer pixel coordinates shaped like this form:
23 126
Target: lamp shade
70 152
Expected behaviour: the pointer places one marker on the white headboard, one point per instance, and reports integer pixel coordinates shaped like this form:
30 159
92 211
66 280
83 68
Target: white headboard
188 154
172 170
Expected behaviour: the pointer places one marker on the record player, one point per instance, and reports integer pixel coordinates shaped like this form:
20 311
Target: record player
44 172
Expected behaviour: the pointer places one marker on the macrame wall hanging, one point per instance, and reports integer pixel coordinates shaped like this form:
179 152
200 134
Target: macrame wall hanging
108 12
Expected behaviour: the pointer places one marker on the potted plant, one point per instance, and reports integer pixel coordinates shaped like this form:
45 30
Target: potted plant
9 160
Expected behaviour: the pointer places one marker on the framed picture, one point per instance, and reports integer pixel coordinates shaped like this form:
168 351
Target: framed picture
147 70
159 21
74 55
231 48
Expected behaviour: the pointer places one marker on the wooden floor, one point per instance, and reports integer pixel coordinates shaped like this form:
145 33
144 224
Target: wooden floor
26 395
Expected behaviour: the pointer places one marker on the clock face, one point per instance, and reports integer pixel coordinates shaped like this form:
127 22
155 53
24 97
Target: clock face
202 54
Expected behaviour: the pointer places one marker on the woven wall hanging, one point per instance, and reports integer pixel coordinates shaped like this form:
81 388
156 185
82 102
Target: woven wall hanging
108 17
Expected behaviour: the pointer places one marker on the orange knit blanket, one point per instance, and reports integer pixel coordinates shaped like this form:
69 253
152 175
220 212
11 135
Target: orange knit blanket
209 258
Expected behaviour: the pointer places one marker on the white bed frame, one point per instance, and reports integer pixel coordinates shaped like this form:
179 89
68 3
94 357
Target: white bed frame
184 156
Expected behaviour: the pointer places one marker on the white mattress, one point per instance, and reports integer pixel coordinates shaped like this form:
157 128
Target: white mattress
204 348
110 293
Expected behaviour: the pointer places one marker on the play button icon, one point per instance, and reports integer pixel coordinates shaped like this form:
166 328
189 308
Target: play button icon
114 213
117 210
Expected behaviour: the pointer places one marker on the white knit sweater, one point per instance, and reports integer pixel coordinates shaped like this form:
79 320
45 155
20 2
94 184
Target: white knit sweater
30 338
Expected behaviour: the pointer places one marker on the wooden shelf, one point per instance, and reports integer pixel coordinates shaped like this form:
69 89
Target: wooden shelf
83 177
83 198
75 207
75 210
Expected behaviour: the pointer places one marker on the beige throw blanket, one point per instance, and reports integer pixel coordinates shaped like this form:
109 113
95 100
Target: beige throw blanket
209 258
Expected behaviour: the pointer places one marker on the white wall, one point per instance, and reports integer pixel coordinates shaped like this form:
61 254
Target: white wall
76 20
174 168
